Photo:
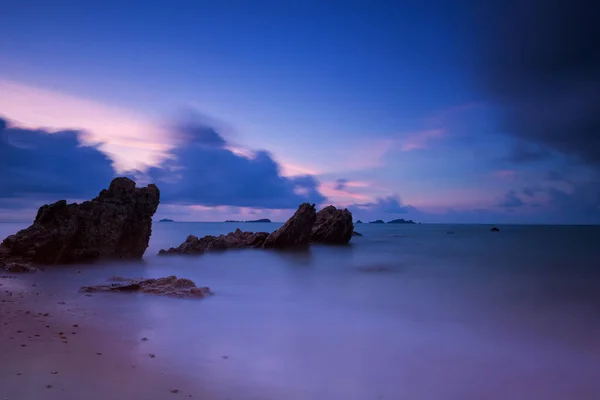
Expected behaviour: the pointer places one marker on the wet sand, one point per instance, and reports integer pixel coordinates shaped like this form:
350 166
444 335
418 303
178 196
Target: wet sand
51 350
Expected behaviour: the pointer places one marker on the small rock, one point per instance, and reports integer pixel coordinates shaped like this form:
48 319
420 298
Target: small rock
98 354
152 355
48 386
54 372
144 339
174 390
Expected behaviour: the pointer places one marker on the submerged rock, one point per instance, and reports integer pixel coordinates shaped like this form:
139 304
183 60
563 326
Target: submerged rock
354 233
116 224
233 240
19 267
332 226
495 229
170 286
296 231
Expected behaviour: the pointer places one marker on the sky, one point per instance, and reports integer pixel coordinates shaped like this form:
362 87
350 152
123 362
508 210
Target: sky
436 111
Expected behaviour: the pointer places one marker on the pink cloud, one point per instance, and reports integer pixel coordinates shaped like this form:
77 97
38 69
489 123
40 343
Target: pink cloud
131 140
420 140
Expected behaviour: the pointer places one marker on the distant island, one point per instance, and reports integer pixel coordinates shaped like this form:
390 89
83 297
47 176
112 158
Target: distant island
377 222
166 220
401 221
359 222
263 220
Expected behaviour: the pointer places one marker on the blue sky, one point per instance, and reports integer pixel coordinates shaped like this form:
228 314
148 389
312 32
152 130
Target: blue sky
418 103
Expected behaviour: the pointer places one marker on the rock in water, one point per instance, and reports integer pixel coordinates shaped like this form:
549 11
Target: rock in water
116 224
332 226
296 231
233 240
19 267
169 286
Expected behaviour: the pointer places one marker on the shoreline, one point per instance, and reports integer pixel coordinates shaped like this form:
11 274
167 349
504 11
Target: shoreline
52 350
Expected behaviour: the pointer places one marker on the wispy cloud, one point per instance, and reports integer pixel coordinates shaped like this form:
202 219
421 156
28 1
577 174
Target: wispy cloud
421 140
130 139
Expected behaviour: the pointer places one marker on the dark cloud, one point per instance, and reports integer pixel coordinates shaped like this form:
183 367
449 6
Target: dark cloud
205 171
583 199
383 205
539 63
511 200
531 191
341 184
43 164
528 153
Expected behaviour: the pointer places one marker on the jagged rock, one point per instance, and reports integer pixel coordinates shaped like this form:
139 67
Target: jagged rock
296 231
354 233
233 240
332 226
116 224
19 267
170 286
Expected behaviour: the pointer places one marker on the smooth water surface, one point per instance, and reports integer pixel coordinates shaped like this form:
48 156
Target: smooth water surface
404 312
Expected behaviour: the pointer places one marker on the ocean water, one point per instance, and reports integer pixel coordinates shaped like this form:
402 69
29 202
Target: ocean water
404 312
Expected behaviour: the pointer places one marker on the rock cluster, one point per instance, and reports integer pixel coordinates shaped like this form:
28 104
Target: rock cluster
116 224
328 226
170 286
233 240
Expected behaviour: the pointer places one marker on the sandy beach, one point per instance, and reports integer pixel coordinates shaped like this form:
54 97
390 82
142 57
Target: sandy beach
51 349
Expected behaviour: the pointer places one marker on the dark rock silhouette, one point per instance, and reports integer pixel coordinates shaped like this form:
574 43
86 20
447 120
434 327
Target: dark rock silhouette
401 221
495 229
296 231
166 220
332 226
354 233
359 222
170 286
116 224
377 222
233 240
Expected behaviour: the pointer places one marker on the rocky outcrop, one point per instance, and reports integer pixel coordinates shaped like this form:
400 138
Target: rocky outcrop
233 240
19 267
116 224
297 230
354 233
170 286
332 226
495 229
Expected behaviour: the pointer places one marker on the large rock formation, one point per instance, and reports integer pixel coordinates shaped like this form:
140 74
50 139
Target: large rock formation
170 286
116 224
296 231
329 226
233 240
332 226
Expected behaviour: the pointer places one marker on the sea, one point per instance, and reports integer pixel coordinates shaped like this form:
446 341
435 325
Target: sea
424 311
